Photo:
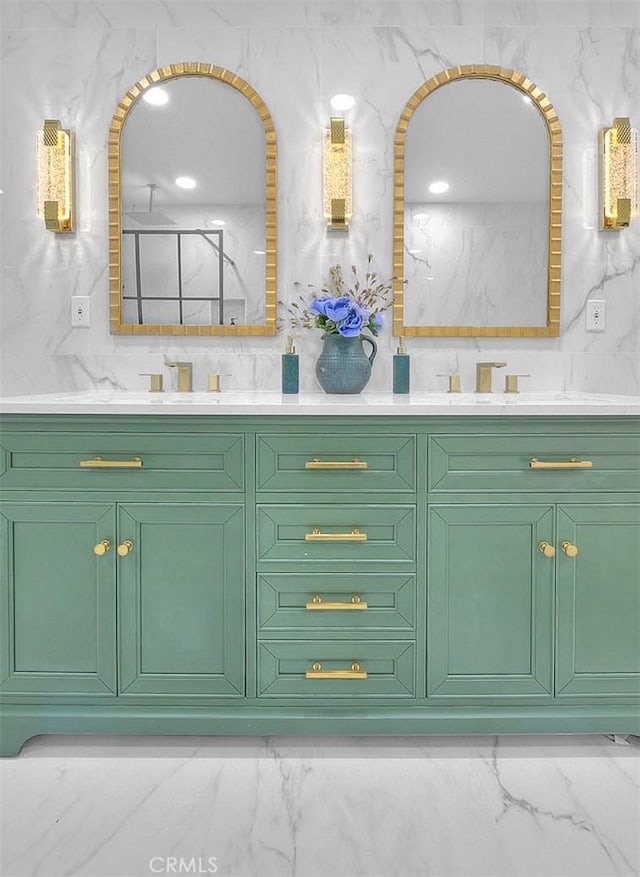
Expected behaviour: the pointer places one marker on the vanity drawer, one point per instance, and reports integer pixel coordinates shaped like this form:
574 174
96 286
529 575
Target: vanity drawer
311 533
337 463
383 669
142 461
502 462
316 605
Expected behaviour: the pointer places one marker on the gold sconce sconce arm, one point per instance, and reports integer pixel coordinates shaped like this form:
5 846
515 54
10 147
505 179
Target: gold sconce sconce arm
619 174
337 187
56 160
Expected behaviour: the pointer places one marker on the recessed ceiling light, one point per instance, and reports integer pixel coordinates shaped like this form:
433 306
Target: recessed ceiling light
186 182
342 102
157 96
439 187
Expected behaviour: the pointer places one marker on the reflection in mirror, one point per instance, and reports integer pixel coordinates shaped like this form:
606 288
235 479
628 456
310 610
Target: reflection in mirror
475 194
195 252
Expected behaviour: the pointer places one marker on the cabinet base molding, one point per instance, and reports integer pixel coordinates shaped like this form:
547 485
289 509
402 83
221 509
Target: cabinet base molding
20 723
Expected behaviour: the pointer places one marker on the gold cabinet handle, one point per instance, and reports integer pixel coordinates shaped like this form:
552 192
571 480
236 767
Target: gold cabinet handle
99 463
353 464
569 549
547 549
573 463
316 672
102 547
354 536
356 603
125 548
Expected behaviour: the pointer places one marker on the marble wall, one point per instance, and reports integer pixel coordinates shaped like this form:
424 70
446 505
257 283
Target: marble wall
74 59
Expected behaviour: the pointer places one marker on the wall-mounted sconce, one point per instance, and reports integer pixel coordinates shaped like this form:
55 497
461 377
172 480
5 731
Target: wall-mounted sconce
619 173
55 148
337 174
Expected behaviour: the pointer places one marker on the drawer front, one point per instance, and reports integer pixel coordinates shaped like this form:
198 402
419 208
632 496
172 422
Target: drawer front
387 669
168 462
365 463
342 604
502 462
355 534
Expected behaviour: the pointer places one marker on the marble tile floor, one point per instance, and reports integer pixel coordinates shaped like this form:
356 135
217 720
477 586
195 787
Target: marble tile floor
322 807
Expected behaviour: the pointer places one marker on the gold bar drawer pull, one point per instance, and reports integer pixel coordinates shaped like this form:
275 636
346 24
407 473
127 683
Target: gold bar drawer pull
573 463
99 463
356 603
354 536
352 464
317 672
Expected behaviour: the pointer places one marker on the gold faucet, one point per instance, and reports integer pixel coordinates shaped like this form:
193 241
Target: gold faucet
185 375
483 375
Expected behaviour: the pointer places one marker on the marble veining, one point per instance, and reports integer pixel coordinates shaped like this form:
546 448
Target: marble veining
584 54
327 807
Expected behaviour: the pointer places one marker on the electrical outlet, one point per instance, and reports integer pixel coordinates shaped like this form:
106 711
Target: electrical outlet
595 315
80 311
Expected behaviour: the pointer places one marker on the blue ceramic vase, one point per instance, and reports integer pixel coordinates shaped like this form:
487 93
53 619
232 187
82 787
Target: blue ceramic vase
343 366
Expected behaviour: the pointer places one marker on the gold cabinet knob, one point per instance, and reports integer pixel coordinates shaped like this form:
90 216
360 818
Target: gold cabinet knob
547 549
102 547
125 548
569 549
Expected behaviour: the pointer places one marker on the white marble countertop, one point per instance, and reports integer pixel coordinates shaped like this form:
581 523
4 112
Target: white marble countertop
260 403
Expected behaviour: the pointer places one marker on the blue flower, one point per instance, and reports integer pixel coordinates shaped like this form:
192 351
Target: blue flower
377 323
353 322
318 305
338 309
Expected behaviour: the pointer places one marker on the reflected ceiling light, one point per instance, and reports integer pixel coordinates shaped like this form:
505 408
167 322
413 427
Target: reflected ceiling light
55 151
414 252
259 252
438 187
217 223
157 96
336 171
342 102
420 216
186 182
619 174
527 99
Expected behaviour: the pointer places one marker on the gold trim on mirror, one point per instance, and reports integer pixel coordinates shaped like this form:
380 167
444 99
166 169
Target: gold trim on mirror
173 71
519 81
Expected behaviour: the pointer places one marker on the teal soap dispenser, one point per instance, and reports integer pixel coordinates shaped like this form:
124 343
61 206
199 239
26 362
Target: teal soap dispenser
290 368
401 369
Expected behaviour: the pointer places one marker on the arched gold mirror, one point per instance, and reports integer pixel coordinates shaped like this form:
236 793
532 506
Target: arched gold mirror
477 207
192 206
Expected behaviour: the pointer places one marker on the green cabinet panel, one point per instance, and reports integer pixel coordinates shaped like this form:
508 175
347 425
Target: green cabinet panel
282 668
490 598
500 462
598 600
282 528
390 459
173 461
57 599
181 599
390 600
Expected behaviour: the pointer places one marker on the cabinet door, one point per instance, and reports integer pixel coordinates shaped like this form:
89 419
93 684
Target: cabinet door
58 598
181 599
598 600
489 601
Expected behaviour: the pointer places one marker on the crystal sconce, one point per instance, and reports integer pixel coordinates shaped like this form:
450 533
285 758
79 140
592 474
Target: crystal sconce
619 174
55 148
337 174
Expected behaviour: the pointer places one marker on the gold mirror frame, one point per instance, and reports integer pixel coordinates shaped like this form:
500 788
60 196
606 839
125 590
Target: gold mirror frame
519 81
118 327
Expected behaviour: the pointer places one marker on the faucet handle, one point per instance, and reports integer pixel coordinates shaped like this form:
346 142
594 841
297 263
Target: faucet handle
511 383
454 382
155 381
214 382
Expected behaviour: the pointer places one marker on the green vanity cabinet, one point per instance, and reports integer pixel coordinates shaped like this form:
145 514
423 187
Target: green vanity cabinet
315 574
58 601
